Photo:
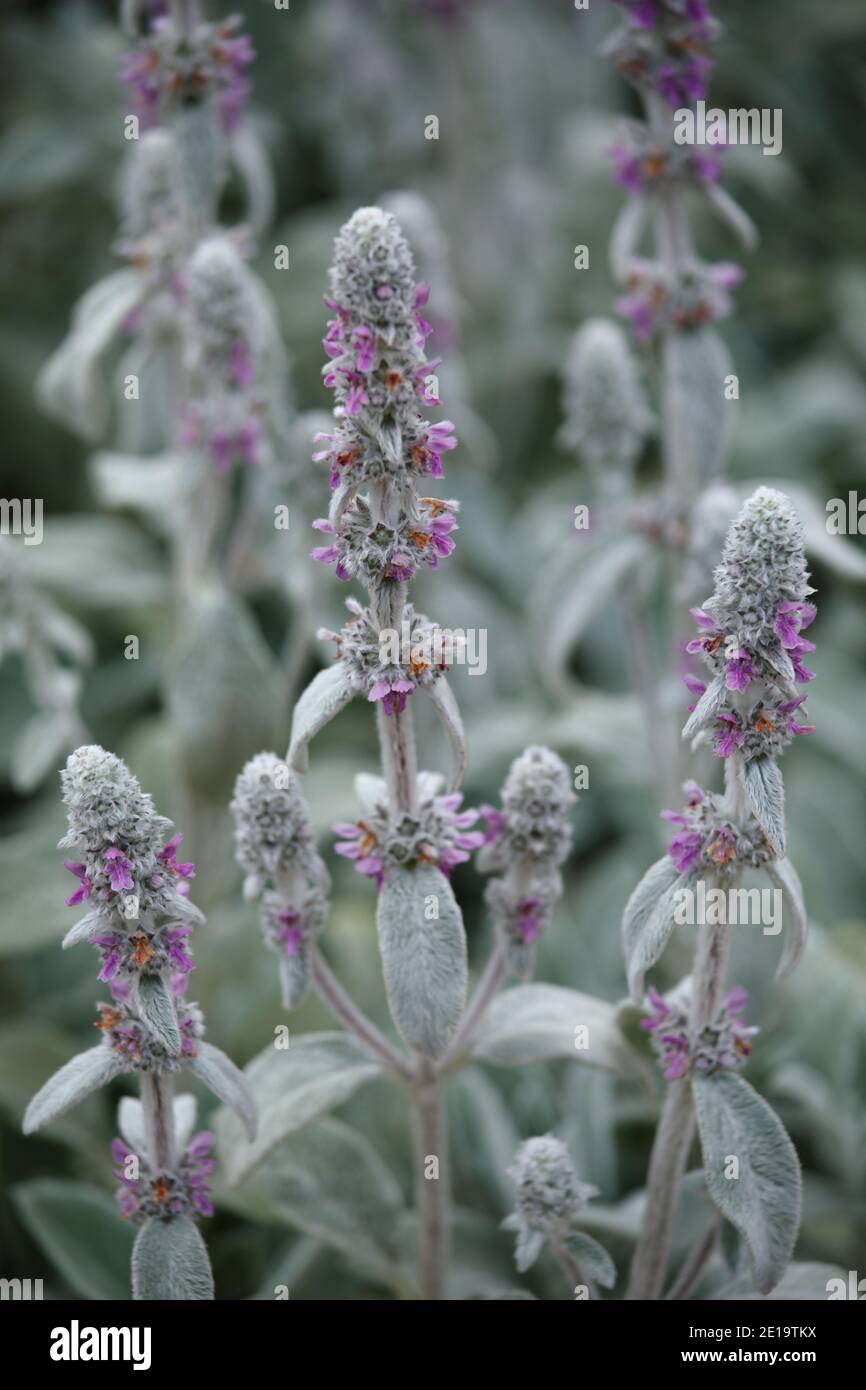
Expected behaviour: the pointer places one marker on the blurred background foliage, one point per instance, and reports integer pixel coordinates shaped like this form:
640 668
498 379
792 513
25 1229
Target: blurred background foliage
518 176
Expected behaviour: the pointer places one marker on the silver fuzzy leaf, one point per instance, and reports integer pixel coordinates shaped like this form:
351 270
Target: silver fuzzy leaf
423 959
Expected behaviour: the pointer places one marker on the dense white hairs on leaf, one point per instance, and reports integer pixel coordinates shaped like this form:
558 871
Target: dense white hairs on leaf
81 1075
170 1263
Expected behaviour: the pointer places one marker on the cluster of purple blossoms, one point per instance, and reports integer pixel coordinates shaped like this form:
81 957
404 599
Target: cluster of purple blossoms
378 676
723 1045
665 47
642 164
275 847
379 373
437 833
658 302
226 340
170 69
133 1042
751 635
709 839
525 843
373 551
182 1192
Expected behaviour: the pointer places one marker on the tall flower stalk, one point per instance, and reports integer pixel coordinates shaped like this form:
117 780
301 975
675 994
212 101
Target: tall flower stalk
750 639
139 918
413 830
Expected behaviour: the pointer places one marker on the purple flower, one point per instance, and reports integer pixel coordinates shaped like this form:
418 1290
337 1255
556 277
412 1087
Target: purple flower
118 868
730 736
168 857
289 933
84 885
791 726
112 956
391 693
496 821
739 670
791 618
177 955
527 926
685 849
628 170
358 842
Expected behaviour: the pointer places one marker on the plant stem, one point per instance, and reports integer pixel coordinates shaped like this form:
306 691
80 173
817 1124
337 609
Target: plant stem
694 1268
343 1007
157 1103
431 1193
572 1270
676 1126
485 991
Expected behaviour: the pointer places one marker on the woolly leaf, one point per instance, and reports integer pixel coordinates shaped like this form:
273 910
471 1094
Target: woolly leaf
785 877
442 695
595 1263
226 1082
39 746
423 957
694 368
130 1121
294 978
648 921
70 386
327 694
223 690
328 1181
766 792
291 1087
83 1074
599 573
538 1022
710 702
78 1229
158 1012
170 1263
84 929
732 215
801 1283
763 1201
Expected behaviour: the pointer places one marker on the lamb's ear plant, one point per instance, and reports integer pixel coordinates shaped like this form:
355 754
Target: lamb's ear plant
748 711
138 915
549 1200
412 831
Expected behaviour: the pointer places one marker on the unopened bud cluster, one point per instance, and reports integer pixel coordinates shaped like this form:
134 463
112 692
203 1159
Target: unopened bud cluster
708 839
437 833
170 69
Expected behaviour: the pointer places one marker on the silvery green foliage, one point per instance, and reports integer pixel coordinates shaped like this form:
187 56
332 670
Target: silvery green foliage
292 1087
549 1199
327 694
170 1262
694 368
81 1075
130 1121
544 1023
607 418
527 842
53 649
423 947
763 1201
227 1083
274 845
648 920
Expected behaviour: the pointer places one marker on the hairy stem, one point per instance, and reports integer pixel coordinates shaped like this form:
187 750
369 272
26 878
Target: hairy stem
485 992
431 1182
157 1103
694 1268
343 1007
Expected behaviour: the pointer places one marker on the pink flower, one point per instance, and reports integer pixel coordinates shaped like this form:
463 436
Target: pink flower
118 868
84 885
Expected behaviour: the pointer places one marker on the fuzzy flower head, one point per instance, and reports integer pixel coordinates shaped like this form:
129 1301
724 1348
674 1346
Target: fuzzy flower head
533 823
184 1191
154 219
750 634
168 70
606 416
706 838
723 1045
549 1197
272 822
126 873
665 47
439 832
418 536
126 1033
385 677
382 382
226 341
658 302
643 165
